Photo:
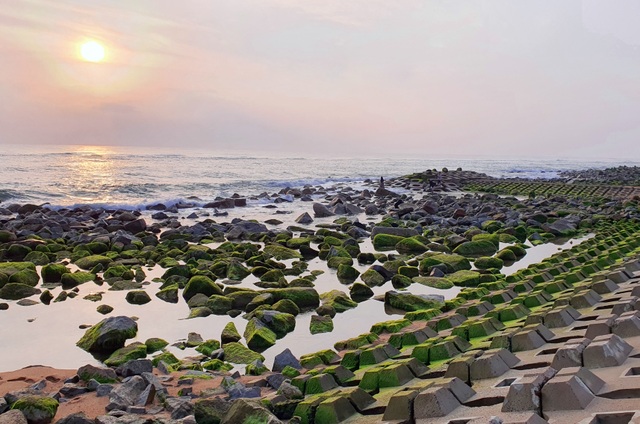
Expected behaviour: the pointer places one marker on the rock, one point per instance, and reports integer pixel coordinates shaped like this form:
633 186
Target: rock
71 280
305 218
476 248
138 297
14 416
127 393
279 322
104 309
89 262
136 226
169 294
200 284
238 354
135 367
245 411
360 292
75 418
37 409
284 359
108 335
230 334
259 337
70 390
321 211
245 229
210 411
410 302
320 324
52 273
125 354
15 291
102 375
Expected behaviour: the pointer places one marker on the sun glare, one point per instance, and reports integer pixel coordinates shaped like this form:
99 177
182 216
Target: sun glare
92 51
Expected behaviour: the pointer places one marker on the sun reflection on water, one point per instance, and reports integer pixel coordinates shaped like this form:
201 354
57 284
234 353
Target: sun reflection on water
91 170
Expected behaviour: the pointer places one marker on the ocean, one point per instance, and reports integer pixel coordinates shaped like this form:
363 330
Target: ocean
132 178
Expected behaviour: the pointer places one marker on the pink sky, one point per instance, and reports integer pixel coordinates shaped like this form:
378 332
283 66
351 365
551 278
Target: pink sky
538 77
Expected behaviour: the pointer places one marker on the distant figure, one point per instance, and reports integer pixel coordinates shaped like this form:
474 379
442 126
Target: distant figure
440 180
432 184
381 182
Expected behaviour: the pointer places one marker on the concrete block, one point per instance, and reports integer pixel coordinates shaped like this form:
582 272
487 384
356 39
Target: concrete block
432 403
627 305
320 383
565 392
560 317
599 327
592 381
400 407
606 351
618 277
358 397
416 367
526 340
460 368
627 325
570 355
489 365
373 355
394 375
585 299
459 388
333 410
524 394
604 286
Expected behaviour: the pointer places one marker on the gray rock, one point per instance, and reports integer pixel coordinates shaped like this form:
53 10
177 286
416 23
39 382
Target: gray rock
305 218
3 404
321 211
135 367
70 390
77 418
127 393
103 390
108 335
285 358
13 416
394 231
290 391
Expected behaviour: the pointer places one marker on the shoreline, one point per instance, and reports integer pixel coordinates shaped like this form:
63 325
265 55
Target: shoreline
327 250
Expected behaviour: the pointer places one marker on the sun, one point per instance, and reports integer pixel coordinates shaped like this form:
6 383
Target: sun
92 51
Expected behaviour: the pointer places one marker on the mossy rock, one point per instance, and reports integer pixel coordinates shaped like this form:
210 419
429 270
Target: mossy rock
259 337
392 326
280 323
200 284
169 294
104 309
155 344
37 409
386 241
465 278
372 278
517 250
237 272
166 357
287 306
476 248
338 300
506 255
25 276
7 236
336 261
304 297
37 258
273 276
400 281
52 273
219 305
10 268
230 334
360 292
73 279
108 335
493 238
409 271
435 282
411 245
237 353
422 315
16 291
217 365
281 253
138 297
123 355
88 262
320 324
119 271
410 302
208 347
17 252
453 262
491 226
486 262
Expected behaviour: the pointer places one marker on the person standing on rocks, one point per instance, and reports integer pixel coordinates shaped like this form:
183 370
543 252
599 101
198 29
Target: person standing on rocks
381 182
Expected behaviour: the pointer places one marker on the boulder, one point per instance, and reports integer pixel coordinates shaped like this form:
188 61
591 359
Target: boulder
200 284
37 409
108 335
321 211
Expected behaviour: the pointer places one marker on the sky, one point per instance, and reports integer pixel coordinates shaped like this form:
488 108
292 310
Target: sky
511 78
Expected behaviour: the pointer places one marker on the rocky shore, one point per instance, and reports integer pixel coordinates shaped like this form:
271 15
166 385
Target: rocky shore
469 342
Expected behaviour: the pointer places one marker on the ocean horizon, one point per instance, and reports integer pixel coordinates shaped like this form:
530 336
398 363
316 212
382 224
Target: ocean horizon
135 177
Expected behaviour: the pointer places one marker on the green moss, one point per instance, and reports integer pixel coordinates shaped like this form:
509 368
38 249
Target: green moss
409 302
290 372
219 305
16 291
281 253
435 282
166 357
88 262
320 324
372 278
286 306
71 280
155 344
453 262
338 300
303 297
37 409
135 350
217 365
52 273
25 276
465 278
476 248
410 245
208 346
200 284
259 337
238 354
280 323
392 326
506 255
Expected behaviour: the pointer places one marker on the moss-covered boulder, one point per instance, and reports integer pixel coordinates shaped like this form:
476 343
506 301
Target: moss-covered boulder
236 271
517 250
208 347
155 344
304 297
347 273
25 276
230 334
17 252
120 271
200 284
281 253
453 262
360 292
169 294
287 306
506 255
237 353
476 248
435 282
486 262
410 302
108 335
338 300
386 241
16 291
411 245
372 278
37 258
320 324
465 278
280 323
70 280
89 262
125 354
166 357
259 337
219 305
37 409
52 273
